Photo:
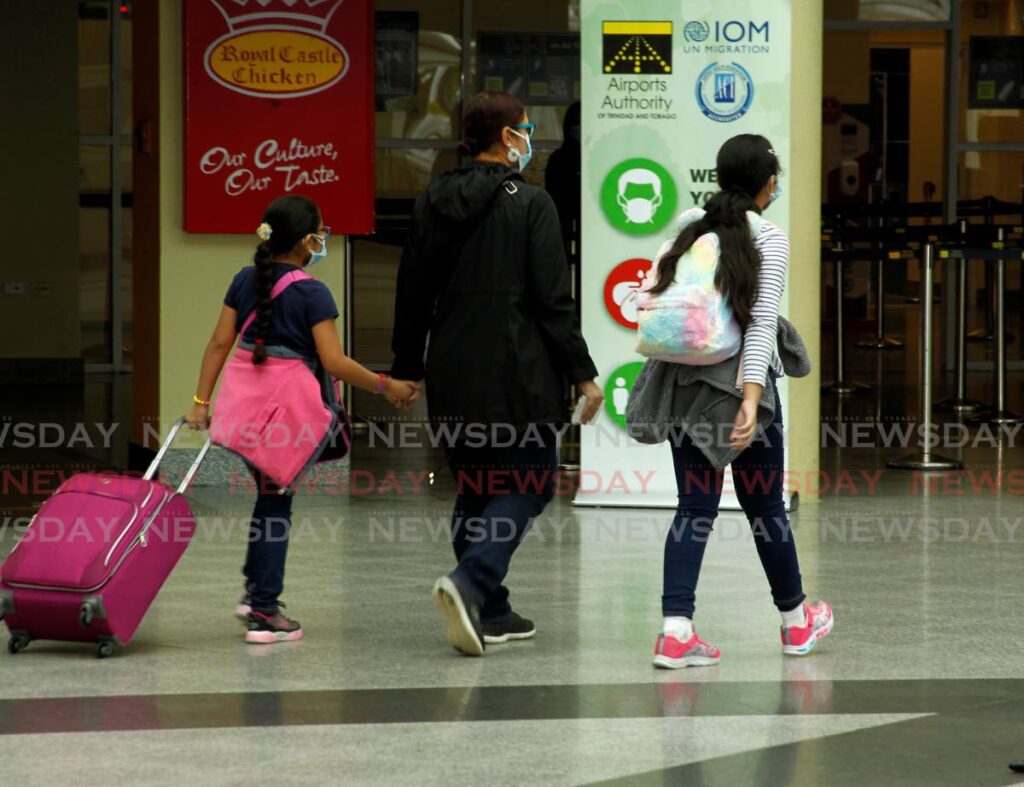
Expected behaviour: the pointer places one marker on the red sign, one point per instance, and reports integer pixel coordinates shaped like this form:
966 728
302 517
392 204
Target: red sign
620 289
278 100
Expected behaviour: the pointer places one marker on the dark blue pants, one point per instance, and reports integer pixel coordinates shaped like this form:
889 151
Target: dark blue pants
757 477
268 545
500 491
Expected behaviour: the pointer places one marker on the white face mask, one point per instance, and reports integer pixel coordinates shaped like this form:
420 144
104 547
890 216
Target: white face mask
640 210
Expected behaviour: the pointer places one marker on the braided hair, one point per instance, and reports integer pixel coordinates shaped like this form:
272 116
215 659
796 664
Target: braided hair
745 165
290 219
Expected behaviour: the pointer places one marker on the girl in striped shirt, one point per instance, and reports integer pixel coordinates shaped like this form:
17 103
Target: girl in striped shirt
751 274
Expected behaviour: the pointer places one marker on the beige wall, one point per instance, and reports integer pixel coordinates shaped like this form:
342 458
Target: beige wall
39 175
195 270
804 286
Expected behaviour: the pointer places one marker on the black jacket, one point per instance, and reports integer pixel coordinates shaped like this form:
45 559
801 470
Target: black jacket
484 274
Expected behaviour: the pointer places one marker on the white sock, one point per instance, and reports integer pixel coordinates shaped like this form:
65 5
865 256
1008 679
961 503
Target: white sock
680 628
795 618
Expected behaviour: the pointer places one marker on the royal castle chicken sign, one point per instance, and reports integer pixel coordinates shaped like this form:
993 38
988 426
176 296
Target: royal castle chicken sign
279 100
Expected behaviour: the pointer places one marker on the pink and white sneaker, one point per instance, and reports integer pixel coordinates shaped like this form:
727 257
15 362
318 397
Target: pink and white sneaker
670 653
799 641
271 629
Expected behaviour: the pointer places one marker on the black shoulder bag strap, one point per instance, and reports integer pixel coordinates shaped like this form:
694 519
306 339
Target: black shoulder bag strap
451 253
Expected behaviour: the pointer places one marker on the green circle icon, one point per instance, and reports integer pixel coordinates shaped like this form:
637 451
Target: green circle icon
639 197
617 390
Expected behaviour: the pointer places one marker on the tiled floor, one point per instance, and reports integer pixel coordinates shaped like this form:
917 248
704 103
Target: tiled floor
922 681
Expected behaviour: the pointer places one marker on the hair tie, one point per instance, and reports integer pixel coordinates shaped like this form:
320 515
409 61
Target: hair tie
259 341
264 231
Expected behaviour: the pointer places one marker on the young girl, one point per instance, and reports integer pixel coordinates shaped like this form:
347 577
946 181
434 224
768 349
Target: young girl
752 256
299 322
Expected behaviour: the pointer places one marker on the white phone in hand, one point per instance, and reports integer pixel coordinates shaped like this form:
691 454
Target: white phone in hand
577 414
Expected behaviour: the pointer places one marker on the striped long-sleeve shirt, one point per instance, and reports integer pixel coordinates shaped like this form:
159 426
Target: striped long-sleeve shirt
759 340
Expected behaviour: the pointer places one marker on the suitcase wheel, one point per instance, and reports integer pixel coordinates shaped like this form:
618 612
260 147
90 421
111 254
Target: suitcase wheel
106 648
18 642
91 609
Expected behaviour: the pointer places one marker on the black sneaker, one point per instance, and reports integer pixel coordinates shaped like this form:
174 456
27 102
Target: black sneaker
512 627
463 615
270 629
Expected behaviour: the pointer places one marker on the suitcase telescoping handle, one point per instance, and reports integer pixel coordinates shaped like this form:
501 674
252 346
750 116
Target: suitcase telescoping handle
155 464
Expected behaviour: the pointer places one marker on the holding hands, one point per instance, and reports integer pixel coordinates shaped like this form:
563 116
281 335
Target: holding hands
402 393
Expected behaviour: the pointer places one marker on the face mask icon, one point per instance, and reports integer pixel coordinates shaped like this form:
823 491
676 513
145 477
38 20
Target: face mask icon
639 195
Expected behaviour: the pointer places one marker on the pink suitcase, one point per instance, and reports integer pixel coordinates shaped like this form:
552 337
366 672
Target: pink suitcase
95 556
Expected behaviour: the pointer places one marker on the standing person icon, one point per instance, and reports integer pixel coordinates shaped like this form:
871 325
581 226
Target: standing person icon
620 398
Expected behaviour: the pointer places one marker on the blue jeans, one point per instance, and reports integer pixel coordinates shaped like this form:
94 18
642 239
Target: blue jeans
500 492
268 545
757 476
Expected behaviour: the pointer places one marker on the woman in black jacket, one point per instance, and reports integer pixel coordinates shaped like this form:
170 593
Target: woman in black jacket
484 274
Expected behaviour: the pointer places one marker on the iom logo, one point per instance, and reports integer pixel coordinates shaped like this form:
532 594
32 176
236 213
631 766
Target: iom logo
725 92
697 32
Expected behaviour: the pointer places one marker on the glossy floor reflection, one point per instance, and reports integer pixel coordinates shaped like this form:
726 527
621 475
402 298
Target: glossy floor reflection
921 683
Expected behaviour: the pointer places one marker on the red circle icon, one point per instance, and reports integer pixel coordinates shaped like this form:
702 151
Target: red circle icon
620 290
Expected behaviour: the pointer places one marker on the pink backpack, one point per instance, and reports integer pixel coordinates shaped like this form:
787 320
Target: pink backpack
279 416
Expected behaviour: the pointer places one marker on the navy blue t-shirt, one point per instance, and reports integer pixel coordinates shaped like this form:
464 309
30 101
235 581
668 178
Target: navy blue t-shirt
296 310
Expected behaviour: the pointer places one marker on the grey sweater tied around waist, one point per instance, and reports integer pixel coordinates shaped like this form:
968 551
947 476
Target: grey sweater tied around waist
701 401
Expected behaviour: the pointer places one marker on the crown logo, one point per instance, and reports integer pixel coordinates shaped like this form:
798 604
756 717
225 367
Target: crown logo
244 14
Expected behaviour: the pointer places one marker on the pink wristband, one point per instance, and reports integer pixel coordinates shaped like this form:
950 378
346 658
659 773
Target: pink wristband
382 383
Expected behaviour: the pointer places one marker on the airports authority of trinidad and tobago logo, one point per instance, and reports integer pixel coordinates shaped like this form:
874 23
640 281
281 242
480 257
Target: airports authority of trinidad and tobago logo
637 47
725 92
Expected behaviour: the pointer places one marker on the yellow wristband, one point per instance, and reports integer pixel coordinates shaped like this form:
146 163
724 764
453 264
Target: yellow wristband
197 400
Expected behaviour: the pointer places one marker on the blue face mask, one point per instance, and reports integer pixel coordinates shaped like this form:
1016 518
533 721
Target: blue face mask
318 255
515 156
777 194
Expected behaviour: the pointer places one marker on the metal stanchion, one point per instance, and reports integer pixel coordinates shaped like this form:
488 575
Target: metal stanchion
925 459
881 341
841 387
998 414
960 403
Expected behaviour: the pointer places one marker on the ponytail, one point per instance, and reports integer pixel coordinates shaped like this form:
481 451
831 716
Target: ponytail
264 260
745 165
